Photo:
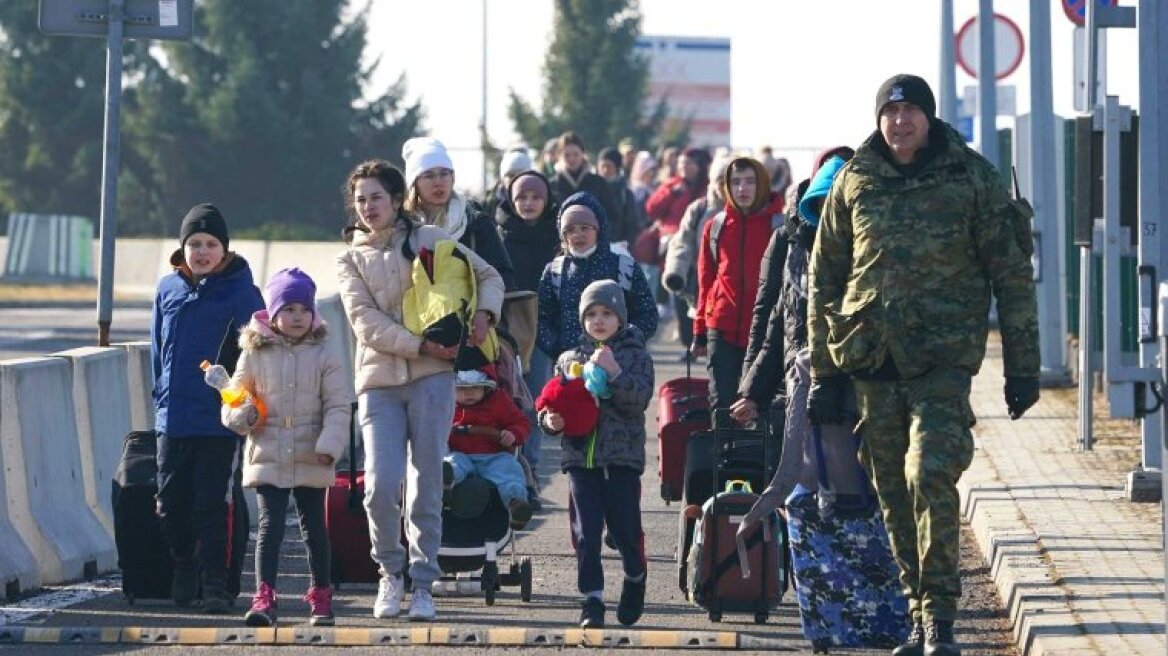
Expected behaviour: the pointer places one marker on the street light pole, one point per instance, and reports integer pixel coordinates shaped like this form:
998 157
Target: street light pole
483 124
987 91
109 169
948 84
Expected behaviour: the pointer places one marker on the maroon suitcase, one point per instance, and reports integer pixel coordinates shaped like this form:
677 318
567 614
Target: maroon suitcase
683 408
347 524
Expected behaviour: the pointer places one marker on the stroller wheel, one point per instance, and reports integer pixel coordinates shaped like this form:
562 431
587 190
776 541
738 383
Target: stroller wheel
525 579
489 582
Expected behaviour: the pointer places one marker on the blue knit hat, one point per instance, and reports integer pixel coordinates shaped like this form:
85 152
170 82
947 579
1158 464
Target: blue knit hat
816 192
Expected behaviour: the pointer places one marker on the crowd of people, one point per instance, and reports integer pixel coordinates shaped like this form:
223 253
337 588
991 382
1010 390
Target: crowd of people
876 271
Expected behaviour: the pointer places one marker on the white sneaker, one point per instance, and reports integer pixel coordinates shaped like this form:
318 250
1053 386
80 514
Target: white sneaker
390 590
422 606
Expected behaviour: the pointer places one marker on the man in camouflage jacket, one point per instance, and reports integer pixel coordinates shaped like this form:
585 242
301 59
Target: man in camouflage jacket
916 233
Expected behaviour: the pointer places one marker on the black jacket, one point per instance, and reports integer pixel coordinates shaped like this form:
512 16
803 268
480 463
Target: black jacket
482 238
562 187
531 247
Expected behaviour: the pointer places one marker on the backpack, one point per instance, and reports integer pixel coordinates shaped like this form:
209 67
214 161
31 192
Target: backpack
720 218
442 300
626 266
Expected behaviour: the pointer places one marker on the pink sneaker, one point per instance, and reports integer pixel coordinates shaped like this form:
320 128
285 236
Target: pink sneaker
263 607
320 601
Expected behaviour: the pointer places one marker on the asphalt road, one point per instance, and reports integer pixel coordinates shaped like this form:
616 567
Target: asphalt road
554 608
40 330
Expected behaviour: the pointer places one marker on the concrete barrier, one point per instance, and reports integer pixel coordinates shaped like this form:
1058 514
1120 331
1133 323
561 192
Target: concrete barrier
44 480
102 406
318 259
18 567
139 263
341 341
139 384
256 254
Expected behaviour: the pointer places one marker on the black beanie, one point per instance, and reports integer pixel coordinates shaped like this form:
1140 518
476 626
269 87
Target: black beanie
203 218
613 155
906 88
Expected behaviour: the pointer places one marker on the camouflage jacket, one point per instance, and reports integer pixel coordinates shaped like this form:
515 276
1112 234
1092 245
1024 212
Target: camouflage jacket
903 266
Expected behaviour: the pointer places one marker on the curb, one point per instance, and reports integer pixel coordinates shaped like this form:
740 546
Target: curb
139 304
1039 608
423 636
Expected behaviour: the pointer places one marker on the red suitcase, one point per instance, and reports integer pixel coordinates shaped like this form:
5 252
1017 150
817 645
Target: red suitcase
347 524
683 408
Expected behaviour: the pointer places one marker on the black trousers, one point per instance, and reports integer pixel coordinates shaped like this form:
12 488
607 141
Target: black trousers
195 475
725 367
273 505
599 497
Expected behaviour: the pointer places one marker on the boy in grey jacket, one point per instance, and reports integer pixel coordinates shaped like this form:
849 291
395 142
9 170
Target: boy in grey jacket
604 469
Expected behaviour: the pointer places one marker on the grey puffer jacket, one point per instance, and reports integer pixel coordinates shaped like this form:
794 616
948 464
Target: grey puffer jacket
619 438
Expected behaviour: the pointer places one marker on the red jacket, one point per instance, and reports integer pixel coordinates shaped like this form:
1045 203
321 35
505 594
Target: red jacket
727 286
668 202
496 410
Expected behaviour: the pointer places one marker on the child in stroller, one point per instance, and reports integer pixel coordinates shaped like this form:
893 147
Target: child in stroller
485 483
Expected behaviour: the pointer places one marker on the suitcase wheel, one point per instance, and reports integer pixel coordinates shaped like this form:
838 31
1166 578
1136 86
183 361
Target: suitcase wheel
760 617
715 612
820 646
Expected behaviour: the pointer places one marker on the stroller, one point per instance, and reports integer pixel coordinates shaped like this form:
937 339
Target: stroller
476 529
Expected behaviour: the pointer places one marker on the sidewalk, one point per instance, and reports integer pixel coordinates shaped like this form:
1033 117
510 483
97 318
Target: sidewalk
1079 568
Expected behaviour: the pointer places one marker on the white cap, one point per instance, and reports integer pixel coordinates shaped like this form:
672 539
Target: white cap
474 378
422 154
516 160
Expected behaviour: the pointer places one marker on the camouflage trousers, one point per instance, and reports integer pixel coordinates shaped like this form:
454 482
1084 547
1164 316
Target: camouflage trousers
916 444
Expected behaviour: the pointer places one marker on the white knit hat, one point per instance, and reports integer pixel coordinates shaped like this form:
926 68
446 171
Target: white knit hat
422 154
516 160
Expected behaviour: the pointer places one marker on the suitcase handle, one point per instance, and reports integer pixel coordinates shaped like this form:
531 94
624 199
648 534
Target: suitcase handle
739 485
354 500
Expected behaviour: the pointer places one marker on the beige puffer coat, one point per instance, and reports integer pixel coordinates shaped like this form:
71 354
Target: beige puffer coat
374 277
306 391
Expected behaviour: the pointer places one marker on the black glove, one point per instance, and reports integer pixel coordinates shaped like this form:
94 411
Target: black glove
1021 393
825 401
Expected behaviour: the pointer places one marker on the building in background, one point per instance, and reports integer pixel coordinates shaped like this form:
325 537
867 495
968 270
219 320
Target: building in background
693 75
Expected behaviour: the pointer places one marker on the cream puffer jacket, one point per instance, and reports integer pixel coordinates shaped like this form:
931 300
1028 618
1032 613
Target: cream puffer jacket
374 277
306 391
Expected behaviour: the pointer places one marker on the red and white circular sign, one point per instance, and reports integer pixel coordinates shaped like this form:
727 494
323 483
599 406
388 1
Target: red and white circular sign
1008 47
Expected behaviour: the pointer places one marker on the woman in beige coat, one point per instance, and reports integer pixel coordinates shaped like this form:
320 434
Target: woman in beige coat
291 452
404 383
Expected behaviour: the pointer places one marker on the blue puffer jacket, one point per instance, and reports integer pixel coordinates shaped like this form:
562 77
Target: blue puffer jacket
193 322
559 313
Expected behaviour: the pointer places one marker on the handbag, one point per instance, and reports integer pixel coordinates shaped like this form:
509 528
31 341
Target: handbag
647 247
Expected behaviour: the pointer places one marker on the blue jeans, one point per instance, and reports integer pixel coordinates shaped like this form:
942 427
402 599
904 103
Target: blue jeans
537 376
502 469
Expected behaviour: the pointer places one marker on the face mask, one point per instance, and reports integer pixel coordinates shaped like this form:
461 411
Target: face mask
584 253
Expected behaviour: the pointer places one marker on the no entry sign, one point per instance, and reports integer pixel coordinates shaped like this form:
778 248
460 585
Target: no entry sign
1008 47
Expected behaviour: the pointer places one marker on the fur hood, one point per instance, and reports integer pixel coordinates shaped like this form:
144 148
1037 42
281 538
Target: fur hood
259 333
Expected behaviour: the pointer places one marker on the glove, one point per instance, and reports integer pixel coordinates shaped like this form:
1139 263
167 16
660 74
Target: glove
825 401
1021 393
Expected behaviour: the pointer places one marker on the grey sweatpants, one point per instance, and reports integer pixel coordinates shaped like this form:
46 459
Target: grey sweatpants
411 420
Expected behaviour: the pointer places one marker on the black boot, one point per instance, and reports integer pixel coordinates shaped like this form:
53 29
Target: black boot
184 582
592 613
939 639
914 645
632 601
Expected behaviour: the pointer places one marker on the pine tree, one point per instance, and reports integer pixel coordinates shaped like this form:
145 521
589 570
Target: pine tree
594 81
262 114
51 113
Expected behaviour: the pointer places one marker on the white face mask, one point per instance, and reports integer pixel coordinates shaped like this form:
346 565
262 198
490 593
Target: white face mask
584 253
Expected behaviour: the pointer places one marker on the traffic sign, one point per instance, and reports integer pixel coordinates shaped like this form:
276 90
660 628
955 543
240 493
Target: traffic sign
143 19
1008 47
1076 10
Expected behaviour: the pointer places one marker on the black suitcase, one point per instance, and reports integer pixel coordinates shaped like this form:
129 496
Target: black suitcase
143 555
740 454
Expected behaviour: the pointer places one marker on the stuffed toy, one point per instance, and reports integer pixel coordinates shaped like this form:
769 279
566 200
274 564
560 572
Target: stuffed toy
596 380
567 395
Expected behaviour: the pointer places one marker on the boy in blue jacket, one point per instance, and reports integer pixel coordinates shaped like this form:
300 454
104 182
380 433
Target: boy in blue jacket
198 313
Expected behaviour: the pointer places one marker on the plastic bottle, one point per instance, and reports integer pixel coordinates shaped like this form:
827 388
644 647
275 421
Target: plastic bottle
216 376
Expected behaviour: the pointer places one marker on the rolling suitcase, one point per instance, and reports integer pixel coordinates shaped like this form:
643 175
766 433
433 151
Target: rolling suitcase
347 524
143 555
719 578
683 408
846 581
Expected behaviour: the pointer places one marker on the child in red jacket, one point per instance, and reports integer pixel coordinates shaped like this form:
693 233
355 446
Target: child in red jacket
488 428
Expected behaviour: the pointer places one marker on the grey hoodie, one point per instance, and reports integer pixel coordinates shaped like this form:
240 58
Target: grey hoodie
619 438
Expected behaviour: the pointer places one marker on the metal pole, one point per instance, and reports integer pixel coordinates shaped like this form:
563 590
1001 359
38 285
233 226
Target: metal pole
1153 163
111 152
948 84
1043 195
1091 52
1086 410
987 92
483 129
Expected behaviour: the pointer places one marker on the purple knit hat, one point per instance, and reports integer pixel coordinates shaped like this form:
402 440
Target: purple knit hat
290 286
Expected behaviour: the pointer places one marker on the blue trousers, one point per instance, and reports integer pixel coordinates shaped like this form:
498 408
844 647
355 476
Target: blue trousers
605 496
502 469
